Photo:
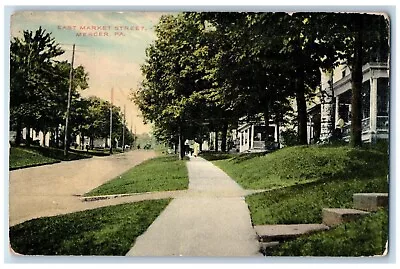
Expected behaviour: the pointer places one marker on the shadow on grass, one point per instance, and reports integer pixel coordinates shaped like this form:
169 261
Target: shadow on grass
247 156
234 157
99 153
59 153
214 156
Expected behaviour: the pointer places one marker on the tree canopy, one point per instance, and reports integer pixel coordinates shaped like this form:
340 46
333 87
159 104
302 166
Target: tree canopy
210 69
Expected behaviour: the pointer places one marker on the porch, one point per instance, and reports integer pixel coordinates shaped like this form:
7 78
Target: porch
252 137
375 103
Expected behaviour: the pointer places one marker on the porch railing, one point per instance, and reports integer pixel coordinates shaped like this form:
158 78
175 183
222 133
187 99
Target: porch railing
382 123
259 144
365 125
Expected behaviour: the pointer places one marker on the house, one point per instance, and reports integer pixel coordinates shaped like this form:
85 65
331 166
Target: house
375 102
250 136
37 137
333 103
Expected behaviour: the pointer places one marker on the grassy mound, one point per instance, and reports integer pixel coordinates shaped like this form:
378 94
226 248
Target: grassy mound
302 164
103 231
364 237
163 173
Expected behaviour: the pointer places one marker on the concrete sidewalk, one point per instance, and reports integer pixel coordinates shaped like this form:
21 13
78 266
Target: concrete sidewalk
216 223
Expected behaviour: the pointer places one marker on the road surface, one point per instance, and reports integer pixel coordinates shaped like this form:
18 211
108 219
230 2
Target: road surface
55 189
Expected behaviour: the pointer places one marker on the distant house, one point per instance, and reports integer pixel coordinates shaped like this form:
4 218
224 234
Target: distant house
37 137
250 136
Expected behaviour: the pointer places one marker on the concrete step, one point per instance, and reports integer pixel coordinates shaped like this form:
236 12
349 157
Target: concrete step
282 232
370 201
265 246
336 216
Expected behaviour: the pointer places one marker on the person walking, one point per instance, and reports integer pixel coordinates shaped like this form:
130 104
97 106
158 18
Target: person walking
195 149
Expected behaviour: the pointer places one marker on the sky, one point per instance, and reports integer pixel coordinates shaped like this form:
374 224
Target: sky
110 45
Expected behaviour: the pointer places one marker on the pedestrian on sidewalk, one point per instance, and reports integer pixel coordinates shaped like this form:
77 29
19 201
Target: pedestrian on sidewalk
195 149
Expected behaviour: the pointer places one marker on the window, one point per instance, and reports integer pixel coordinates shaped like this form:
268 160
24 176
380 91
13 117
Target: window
383 97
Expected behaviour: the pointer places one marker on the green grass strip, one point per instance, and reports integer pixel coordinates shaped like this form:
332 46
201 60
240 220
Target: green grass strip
21 157
304 203
364 237
164 173
103 231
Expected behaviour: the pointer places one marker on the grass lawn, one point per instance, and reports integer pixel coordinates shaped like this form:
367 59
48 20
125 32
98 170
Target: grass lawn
364 237
303 180
21 157
103 231
163 173
24 157
301 164
304 203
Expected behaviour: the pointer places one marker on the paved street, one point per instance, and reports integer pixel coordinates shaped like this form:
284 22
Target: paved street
53 189
211 219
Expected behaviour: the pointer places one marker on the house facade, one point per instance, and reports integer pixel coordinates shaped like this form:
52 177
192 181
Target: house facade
333 106
375 103
250 136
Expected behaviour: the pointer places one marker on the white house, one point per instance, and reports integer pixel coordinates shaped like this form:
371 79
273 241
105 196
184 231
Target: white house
375 101
251 137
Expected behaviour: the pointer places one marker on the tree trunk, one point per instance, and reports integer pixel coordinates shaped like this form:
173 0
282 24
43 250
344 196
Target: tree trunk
28 136
224 134
44 138
277 131
57 138
18 137
181 147
301 117
82 141
356 85
266 122
301 107
216 141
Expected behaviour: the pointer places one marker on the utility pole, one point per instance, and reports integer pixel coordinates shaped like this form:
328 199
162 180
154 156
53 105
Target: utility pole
112 97
71 75
123 131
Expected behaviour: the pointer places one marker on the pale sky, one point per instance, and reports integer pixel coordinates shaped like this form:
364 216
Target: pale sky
112 55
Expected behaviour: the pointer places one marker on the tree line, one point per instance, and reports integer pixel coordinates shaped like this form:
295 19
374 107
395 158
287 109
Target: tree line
39 84
207 70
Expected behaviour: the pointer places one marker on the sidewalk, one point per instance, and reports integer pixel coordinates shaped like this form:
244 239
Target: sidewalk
215 223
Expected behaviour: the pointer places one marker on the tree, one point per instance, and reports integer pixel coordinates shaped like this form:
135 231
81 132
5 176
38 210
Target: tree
176 83
255 66
32 58
39 83
353 39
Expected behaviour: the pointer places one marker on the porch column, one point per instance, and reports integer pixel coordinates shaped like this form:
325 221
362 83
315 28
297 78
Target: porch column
373 107
248 138
241 141
252 136
336 110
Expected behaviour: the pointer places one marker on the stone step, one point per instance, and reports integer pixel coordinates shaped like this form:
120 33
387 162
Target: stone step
370 201
281 232
336 216
265 246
